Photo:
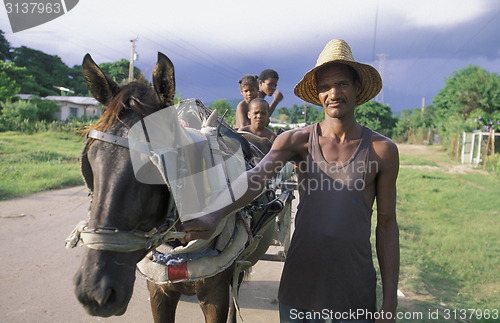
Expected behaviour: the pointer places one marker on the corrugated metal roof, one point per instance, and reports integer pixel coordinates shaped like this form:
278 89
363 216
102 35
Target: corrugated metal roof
26 96
82 100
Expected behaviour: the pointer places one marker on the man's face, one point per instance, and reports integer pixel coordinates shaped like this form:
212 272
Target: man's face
337 90
258 114
249 92
268 86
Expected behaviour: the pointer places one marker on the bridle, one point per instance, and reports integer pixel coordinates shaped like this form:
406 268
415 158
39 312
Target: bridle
114 239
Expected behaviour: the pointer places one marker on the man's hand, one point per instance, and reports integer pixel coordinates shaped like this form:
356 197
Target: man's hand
199 228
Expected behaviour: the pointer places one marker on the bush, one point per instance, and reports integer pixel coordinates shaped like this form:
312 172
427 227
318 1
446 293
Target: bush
46 110
16 112
492 163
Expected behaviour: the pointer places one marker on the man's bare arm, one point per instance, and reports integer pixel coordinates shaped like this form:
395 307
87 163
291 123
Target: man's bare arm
387 232
248 186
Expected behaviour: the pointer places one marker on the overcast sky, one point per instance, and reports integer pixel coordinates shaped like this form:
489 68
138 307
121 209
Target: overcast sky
213 43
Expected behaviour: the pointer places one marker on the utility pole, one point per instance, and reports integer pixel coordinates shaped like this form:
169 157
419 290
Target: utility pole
305 113
132 59
381 69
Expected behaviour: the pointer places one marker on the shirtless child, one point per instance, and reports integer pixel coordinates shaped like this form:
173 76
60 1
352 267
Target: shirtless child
249 89
259 118
268 81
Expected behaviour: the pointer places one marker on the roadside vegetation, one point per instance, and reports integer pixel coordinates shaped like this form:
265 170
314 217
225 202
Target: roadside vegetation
41 161
448 220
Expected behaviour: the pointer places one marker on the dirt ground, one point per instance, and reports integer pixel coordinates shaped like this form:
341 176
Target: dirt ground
36 270
446 167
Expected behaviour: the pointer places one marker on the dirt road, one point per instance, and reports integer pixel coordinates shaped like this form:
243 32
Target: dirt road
36 270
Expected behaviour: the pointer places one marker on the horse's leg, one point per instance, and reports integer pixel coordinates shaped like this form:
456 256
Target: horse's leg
163 303
213 295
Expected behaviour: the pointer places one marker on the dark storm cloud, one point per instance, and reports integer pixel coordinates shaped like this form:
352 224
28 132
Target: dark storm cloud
425 42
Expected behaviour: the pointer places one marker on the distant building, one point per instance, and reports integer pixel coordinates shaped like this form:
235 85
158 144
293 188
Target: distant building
26 97
72 106
289 125
76 106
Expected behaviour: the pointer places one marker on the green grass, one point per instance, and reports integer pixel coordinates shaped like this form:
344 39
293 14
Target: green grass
435 156
38 162
449 236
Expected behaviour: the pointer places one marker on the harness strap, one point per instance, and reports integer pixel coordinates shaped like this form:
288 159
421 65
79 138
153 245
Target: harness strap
118 140
120 241
107 137
123 241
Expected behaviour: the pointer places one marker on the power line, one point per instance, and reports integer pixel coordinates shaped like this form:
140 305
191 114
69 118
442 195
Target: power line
375 34
198 58
465 43
381 69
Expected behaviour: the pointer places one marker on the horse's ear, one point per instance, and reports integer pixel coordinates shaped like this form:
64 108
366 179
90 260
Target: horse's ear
164 80
103 88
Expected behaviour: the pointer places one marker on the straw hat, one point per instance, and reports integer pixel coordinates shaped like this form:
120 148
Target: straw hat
338 51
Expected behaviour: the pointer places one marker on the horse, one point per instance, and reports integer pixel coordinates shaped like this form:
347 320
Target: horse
126 215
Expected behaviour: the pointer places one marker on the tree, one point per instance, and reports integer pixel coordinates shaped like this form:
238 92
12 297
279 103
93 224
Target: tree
415 125
376 116
76 81
296 114
8 86
470 93
5 54
223 107
118 71
314 114
283 110
47 71
468 89
283 118
12 78
283 114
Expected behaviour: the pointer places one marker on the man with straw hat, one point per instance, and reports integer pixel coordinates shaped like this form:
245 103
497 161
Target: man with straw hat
342 167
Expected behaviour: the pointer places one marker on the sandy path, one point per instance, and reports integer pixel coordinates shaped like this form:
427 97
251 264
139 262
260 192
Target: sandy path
36 270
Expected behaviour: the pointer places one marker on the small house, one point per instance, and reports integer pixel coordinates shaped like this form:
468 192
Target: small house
76 106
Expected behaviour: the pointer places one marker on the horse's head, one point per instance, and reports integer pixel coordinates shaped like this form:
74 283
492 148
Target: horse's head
104 282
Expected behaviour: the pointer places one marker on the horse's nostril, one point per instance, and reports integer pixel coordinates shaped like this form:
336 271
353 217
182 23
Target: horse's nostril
107 298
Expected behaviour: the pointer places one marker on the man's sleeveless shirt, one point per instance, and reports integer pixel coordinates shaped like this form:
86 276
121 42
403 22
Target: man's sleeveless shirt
329 264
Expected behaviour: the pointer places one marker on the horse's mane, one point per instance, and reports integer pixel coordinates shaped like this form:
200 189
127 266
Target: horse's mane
130 97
